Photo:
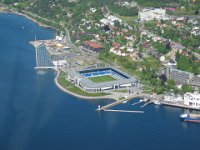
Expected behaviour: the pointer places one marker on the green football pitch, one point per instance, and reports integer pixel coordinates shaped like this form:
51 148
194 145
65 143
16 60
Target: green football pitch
106 78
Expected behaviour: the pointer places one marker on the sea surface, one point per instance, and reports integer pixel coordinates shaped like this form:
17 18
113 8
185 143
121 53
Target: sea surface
36 115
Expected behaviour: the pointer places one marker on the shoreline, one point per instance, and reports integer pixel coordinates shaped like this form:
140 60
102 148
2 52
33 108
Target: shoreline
142 95
74 94
5 9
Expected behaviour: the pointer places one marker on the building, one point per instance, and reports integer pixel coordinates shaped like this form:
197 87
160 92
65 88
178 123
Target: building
82 79
168 67
192 99
105 21
110 20
60 63
151 14
114 18
171 97
195 81
154 53
180 77
92 46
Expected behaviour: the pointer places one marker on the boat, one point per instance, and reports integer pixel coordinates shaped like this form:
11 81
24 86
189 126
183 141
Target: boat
188 117
124 102
156 102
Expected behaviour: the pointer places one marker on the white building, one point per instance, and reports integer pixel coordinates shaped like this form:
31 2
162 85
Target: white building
105 21
171 97
60 63
110 20
151 14
114 18
192 99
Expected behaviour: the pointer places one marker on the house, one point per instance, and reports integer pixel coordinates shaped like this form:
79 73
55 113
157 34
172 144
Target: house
171 8
92 46
93 10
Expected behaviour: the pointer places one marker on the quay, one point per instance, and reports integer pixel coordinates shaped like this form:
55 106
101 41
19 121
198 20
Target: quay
179 105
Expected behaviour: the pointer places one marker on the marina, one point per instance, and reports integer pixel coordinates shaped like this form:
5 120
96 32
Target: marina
121 102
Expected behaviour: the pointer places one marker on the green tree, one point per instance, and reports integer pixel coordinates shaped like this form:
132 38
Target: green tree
170 84
186 88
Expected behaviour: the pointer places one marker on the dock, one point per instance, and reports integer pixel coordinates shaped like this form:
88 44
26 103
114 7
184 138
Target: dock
110 105
179 105
146 104
121 101
125 111
107 107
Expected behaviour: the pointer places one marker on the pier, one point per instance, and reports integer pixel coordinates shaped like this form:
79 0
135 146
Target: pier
107 107
146 104
126 111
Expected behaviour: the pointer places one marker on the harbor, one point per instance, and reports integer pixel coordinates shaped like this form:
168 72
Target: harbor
147 100
54 54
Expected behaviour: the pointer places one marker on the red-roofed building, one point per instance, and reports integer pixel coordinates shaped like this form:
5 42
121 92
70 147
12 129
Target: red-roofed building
93 46
115 45
171 8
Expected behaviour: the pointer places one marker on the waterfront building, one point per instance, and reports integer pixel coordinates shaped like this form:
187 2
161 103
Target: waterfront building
151 14
171 97
83 80
192 99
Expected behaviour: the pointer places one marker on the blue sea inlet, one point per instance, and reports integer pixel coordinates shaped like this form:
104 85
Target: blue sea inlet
36 115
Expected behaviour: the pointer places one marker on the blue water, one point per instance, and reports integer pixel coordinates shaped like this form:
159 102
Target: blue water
36 115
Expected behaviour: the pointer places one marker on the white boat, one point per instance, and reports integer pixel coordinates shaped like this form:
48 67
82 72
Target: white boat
156 102
124 102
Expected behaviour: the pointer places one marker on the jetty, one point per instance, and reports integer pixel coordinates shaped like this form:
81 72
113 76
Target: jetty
126 111
107 107
146 104
122 101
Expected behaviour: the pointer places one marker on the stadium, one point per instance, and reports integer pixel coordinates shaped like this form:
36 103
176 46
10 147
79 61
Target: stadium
101 79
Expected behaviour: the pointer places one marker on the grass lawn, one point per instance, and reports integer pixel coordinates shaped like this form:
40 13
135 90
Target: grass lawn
121 91
102 78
